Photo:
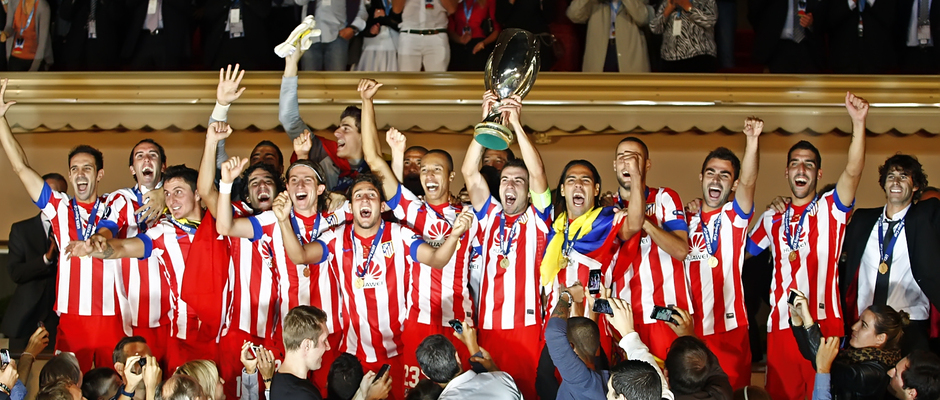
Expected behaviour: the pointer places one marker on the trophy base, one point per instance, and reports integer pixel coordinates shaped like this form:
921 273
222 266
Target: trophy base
492 135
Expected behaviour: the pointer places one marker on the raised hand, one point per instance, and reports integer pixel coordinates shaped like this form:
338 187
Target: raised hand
228 90
302 145
266 365
486 360
490 100
856 106
131 379
154 202
684 325
334 201
376 390
826 353
463 223
779 204
38 341
622 320
8 374
248 361
152 374
753 126
693 207
512 108
368 88
620 215
282 206
233 167
218 131
4 105
396 140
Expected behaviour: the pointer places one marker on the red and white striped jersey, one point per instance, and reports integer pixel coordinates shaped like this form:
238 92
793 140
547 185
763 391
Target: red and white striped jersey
309 284
510 291
168 244
436 296
718 288
814 271
144 291
651 277
373 293
84 286
252 281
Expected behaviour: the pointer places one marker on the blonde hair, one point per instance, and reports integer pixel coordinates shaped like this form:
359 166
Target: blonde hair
203 371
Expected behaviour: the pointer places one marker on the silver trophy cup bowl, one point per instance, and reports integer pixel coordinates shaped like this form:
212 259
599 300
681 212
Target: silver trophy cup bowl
510 70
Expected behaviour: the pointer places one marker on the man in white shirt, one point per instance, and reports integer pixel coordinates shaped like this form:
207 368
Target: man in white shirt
423 40
338 21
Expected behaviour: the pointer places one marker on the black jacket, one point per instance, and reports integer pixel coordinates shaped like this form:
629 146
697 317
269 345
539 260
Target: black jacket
866 380
875 51
34 297
768 17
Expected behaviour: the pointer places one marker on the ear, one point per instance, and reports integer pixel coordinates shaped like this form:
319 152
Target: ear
597 189
450 177
100 174
131 168
320 189
881 338
197 198
818 175
666 374
119 367
701 178
649 164
734 186
911 393
384 207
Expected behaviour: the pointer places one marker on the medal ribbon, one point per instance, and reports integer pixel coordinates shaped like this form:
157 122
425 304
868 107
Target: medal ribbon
360 270
795 244
711 240
92 220
886 252
468 11
297 228
28 20
141 227
505 243
187 226
568 244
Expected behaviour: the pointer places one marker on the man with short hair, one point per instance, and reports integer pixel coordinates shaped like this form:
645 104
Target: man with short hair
497 158
573 344
694 372
639 377
902 236
439 361
916 377
805 240
86 289
133 348
409 173
717 239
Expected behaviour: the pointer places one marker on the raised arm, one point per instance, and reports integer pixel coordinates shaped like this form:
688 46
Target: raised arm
226 94
477 188
747 182
370 138
397 142
538 183
439 257
31 180
636 208
225 224
674 242
298 254
218 131
848 181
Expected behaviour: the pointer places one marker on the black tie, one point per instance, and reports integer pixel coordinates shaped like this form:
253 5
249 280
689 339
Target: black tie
881 283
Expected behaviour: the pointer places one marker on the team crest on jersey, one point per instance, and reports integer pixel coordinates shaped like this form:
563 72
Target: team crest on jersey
437 233
332 220
387 249
650 209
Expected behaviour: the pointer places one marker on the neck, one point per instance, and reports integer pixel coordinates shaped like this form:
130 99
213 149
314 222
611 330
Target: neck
91 199
577 213
707 209
893 208
293 364
364 232
438 201
306 213
804 201
195 215
625 193
354 160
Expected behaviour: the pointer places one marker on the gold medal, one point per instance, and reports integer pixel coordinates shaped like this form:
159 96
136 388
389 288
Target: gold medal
564 262
792 256
713 261
306 272
504 263
883 268
359 283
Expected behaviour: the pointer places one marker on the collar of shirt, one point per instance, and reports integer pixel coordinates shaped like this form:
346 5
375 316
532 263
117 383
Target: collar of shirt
897 216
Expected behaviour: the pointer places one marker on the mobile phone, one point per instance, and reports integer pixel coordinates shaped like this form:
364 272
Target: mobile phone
381 373
40 325
603 306
253 350
457 325
792 297
594 281
140 365
4 357
663 314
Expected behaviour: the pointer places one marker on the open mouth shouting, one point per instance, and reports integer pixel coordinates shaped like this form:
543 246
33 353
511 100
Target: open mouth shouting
431 187
340 144
509 198
801 181
714 192
365 212
577 199
81 185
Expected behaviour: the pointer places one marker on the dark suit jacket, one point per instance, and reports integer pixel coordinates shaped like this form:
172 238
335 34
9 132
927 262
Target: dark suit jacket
904 21
875 52
252 46
108 28
768 17
177 16
34 298
922 231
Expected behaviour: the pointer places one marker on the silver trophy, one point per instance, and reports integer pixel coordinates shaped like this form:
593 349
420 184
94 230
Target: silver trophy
510 70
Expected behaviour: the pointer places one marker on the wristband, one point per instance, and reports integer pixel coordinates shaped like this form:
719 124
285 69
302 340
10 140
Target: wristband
26 353
267 380
225 188
220 112
131 394
5 389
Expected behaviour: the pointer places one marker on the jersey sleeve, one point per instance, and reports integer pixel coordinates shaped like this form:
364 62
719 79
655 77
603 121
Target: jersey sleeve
412 241
833 197
759 238
740 217
148 239
404 203
673 216
257 230
49 200
116 219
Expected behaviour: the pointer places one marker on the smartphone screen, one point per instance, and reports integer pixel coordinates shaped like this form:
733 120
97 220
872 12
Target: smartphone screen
662 314
457 325
381 373
4 357
792 297
602 306
594 281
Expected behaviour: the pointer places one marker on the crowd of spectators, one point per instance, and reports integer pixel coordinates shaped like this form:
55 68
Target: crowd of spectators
788 36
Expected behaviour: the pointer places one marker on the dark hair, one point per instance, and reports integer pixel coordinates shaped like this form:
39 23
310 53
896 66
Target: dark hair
344 377
130 159
517 163
63 367
56 390
689 362
178 387
417 148
189 175
491 176
910 166
891 323
634 139
100 383
54 175
86 149
446 155
436 358
425 390
118 355
509 154
723 153
302 323
355 112
584 335
636 380
369 178
804 145
322 198
278 181
560 204
923 374
268 143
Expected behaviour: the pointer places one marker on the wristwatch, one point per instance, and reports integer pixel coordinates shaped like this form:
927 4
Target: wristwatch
570 298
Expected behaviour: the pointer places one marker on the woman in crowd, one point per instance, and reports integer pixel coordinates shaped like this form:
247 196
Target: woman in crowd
472 29
860 370
29 46
688 29
207 374
380 43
